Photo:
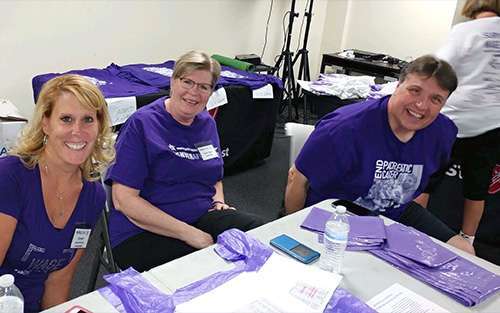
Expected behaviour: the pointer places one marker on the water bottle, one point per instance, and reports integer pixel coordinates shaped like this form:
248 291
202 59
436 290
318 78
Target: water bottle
11 299
335 240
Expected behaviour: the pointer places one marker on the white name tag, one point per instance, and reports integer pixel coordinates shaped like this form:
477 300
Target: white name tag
208 152
218 98
80 238
265 92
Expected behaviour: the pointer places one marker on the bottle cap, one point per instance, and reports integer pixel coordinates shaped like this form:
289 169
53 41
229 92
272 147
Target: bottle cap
6 280
341 209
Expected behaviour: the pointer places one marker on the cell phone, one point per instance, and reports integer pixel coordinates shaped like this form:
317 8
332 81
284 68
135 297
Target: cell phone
295 249
355 208
77 309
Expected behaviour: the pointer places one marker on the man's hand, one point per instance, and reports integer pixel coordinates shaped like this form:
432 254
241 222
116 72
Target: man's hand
461 243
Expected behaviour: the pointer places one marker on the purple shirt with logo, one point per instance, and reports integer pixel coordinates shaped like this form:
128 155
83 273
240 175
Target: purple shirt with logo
110 85
37 247
353 154
160 157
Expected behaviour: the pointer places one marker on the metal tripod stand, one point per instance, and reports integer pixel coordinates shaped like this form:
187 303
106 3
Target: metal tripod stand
287 77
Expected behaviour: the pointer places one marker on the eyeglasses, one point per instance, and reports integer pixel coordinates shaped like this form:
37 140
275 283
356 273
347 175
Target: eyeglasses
188 84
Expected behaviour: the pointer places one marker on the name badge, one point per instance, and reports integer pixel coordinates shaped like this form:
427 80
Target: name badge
80 238
207 151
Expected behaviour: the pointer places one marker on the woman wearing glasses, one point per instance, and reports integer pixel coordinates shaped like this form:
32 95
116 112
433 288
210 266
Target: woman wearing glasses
167 178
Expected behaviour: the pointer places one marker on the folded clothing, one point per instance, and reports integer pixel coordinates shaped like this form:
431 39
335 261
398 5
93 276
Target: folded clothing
159 75
416 246
110 85
366 232
416 254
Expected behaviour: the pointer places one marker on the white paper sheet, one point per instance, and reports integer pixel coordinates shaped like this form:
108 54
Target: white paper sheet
281 285
120 109
398 299
218 98
265 92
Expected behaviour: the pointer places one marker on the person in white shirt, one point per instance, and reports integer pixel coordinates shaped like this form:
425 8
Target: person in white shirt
473 49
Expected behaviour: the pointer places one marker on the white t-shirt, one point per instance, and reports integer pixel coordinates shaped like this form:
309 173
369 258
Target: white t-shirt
473 49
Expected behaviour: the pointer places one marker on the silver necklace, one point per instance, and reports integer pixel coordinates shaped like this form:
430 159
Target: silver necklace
59 194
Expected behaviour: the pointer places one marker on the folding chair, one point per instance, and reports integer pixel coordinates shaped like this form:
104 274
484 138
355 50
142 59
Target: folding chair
106 258
298 135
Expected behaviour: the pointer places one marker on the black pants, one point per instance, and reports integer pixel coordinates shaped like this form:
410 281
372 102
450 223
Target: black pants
147 250
477 157
420 218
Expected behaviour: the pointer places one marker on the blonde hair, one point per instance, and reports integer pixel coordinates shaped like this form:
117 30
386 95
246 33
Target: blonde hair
472 8
31 143
196 60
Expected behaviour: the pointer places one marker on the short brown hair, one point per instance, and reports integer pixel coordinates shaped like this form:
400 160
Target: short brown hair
473 7
431 66
31 143
196 60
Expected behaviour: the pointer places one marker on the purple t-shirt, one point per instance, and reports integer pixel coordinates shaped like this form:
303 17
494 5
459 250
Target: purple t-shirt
232 76
156 75
160 157
37 247
353 154
110 85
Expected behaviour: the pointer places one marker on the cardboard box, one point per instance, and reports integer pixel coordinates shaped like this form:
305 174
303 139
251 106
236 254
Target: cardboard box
11 123
9 132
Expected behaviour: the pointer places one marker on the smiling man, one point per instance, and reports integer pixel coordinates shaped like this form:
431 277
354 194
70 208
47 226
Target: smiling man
380 153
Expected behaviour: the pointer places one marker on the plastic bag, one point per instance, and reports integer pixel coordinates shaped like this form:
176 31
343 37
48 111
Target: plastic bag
136 294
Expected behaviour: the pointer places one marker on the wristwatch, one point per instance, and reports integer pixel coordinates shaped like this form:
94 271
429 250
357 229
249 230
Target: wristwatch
469 238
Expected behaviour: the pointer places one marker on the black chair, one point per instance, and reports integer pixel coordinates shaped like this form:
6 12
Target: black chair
106 258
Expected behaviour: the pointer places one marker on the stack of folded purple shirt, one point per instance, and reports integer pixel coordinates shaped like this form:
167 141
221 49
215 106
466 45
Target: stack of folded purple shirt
366 233
159 75
110 85
416 254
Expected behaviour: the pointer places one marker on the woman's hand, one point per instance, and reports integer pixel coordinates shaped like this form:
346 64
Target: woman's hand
198 239
219 205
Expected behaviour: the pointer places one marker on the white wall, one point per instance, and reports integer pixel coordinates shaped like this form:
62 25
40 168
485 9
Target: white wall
335 20
401 28
38 37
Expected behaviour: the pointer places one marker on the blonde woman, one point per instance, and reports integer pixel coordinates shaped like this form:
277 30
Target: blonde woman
51 198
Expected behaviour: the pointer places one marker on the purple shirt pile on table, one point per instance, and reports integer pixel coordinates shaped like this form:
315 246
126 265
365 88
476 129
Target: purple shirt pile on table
416 254
141 79
159 75
110 85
